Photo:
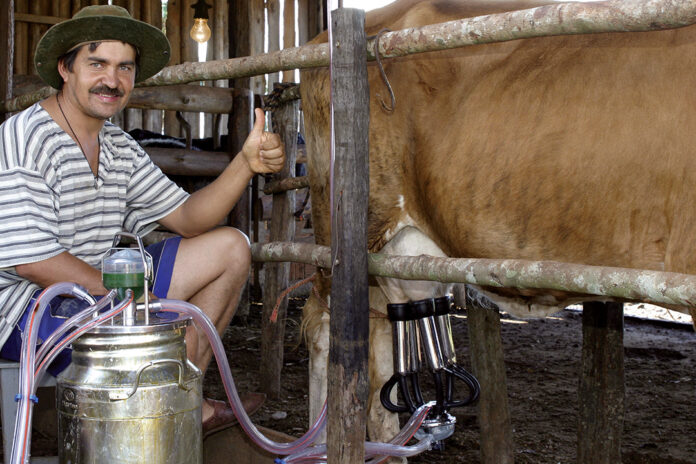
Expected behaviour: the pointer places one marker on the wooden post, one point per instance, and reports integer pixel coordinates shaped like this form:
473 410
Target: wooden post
287 120
35 33
6 50
63 9
240 121
152 14
315 17
488 365
348 346
21 54
221 44
601 391
257 30
303 22
171 125
240 124
289 35
242 117
189 53
273 11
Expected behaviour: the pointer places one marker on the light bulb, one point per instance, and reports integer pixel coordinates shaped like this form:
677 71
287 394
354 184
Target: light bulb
200 32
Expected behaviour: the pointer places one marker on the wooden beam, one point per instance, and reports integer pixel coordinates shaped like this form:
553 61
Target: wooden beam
6 49
348 346
183 162
38 19
601 394
282 185
183 98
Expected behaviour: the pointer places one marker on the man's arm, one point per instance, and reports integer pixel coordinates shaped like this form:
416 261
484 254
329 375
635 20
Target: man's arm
262 152
63 268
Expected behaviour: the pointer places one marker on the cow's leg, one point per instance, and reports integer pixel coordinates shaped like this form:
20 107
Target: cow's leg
601 392
382 425
317 337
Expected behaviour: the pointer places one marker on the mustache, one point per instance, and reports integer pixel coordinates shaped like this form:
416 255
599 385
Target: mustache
106 90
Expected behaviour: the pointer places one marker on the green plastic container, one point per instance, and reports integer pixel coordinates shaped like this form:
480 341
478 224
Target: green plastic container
122 282
123 269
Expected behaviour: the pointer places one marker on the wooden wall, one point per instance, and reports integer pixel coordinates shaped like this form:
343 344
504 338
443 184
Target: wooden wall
6 57
34 17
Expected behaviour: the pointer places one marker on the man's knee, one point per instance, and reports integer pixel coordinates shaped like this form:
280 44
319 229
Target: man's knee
234 248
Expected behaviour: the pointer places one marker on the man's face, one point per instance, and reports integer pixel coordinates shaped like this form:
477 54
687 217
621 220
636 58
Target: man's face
101 80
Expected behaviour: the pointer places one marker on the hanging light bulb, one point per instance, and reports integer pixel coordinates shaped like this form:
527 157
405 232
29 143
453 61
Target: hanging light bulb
200 32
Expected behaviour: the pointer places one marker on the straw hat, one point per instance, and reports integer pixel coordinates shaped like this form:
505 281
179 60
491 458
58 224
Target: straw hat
101 22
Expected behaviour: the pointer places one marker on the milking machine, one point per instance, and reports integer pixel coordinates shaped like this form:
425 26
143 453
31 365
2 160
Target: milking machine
423 342
130 395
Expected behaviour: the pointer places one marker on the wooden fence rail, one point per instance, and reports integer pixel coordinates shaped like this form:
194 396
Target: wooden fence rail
283 185
661 288
555 19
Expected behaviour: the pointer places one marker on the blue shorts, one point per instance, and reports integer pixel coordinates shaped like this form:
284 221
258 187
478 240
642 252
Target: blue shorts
60 308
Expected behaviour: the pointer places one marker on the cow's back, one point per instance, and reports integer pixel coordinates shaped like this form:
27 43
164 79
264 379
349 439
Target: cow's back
574 148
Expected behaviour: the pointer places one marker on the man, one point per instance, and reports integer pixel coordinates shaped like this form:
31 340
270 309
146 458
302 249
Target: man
70 180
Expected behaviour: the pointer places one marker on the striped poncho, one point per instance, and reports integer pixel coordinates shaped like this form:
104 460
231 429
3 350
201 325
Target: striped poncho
51 202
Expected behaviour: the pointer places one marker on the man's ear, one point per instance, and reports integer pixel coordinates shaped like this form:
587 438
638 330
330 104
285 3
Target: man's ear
63 70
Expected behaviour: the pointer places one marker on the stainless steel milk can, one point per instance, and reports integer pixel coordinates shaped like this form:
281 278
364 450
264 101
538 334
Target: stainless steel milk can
130 396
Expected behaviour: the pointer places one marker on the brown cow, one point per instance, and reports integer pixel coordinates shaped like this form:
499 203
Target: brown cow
574 148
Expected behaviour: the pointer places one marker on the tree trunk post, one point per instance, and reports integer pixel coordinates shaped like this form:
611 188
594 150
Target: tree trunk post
601 391
488 365
277 275
348 346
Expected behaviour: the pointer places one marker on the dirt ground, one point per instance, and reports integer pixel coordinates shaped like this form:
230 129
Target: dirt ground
542 359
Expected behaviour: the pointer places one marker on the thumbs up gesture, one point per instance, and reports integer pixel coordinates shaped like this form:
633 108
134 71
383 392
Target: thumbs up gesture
263 151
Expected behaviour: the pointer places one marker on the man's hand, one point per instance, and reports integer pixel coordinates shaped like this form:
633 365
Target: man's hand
263 151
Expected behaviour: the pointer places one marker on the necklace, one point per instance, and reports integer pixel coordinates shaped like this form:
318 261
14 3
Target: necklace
73 131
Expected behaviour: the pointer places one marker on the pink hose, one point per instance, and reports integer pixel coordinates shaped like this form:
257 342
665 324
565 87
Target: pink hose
300 448
204 323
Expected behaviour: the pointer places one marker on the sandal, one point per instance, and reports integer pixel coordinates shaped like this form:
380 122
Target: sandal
223 416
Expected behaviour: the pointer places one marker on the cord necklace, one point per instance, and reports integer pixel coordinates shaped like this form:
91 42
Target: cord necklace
74 134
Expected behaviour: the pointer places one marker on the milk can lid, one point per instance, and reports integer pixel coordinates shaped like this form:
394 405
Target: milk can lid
123 261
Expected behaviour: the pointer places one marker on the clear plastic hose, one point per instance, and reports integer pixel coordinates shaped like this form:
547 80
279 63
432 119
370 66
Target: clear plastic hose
28 361
204 323
27 356
81 327
299 449
377 452
33 366
74 321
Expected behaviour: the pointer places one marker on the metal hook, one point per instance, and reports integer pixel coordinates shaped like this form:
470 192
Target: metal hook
388 109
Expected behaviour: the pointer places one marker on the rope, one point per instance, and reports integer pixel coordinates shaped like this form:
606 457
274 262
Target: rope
374 314
284 293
